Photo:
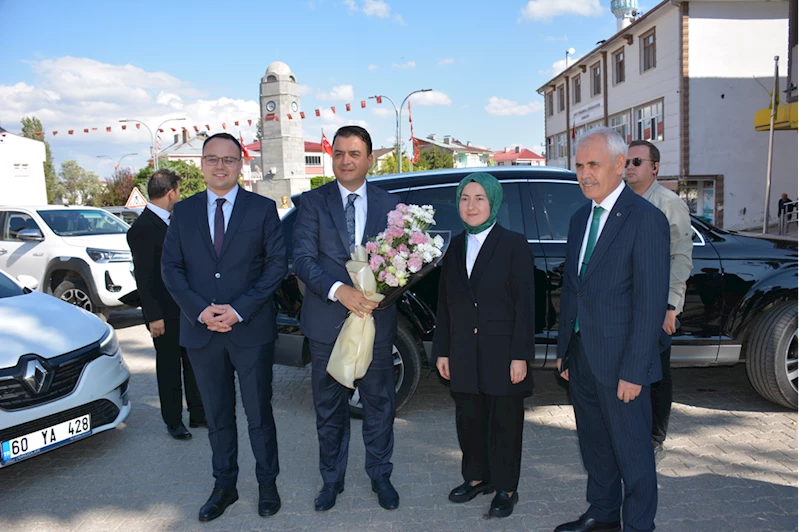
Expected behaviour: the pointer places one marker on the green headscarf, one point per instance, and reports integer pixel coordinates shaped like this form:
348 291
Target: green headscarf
493 192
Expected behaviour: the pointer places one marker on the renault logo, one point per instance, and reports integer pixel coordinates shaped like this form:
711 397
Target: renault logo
35 376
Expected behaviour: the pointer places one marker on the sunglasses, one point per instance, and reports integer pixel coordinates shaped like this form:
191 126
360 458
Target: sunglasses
637 161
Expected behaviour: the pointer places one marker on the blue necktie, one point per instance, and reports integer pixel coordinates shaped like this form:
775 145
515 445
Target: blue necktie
589 248
349 213
219 226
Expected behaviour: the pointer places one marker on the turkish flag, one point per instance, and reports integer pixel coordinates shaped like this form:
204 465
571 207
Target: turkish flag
573 133
326 147
86 130
302 114
333 108
379 99
108 129
71 131
318 113
224 126
207 127
196 129
349 108
124 128
245 152
138 126
236 123
55 133
363 104
289 116
249 122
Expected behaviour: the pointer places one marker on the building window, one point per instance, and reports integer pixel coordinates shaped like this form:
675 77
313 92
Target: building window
649 122
561 98
621 124
648 53
551 103
577 90
313 160
550 151
560 145
596 80
21 170
618 67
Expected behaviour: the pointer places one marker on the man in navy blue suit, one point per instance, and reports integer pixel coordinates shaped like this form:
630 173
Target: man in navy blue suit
223 258
330 221
615 292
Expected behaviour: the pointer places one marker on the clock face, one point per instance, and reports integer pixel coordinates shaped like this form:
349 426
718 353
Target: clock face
294 106
270 106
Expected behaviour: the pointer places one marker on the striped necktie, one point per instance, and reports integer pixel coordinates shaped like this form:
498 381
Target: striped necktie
589 249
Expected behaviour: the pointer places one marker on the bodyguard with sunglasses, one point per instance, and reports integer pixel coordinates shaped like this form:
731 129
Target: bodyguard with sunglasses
643 164
223 258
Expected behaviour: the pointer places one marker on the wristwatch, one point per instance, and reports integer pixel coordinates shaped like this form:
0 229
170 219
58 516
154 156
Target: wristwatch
671 307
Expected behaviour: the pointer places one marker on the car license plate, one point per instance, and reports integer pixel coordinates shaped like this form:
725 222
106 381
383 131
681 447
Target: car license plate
42 440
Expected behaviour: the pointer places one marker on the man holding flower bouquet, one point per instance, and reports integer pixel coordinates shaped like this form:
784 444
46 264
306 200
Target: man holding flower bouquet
331 221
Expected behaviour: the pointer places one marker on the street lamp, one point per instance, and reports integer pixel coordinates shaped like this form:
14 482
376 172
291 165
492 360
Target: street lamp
569 52
116 164
398 114
152 135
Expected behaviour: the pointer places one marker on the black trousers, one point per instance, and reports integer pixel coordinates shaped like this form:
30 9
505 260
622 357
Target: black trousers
662 393
490 435
170 361
616 447
214 366
331 401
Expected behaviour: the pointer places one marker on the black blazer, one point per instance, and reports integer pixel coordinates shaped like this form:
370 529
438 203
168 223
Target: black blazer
486 320
146 240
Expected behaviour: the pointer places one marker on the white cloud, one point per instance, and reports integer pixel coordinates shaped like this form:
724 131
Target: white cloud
547 9
340 93
305 90
398 19
329 122
504 107
373 67
351 4
431 98
561 65
446 61
375 8
408 64
383 111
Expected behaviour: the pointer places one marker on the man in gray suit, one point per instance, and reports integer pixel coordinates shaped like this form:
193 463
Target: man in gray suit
615 288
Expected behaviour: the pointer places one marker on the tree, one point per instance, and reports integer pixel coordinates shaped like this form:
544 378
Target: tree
31 126
320 180
118 188
389 164
76 186
433 159
192 183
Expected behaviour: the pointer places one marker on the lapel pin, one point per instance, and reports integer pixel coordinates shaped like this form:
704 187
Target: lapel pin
618 214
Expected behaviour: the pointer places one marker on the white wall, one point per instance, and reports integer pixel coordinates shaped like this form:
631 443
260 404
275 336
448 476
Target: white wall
22 185
730 42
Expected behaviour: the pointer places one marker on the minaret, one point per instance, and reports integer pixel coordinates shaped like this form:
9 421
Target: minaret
282 144
625 11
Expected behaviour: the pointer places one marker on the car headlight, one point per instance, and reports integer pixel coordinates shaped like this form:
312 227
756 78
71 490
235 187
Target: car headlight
109 345
108 255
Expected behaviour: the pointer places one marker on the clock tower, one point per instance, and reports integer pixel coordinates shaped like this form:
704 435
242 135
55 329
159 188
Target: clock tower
282 144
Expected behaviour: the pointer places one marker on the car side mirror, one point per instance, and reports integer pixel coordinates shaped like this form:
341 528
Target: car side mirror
30 235
28 282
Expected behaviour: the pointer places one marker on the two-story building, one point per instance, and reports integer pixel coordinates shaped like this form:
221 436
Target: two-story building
518 156
688 76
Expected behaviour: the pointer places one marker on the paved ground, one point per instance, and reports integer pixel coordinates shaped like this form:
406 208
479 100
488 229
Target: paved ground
731 465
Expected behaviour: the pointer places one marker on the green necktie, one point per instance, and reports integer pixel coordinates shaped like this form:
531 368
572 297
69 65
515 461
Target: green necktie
589 248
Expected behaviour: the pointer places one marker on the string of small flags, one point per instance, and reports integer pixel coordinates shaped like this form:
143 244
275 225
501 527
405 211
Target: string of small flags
301 115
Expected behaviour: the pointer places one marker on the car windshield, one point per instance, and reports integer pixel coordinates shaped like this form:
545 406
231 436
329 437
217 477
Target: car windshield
82 222
9 288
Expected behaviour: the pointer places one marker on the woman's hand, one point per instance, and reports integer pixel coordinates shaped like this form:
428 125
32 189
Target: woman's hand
518 371
443 367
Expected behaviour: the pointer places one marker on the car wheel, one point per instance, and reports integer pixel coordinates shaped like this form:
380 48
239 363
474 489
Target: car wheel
75 293
771 356
407 370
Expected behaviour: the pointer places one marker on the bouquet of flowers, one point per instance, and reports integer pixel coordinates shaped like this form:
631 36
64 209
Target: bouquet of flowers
382 270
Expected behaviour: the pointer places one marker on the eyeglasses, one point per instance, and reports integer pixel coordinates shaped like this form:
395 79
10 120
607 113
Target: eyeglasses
213 160
636 161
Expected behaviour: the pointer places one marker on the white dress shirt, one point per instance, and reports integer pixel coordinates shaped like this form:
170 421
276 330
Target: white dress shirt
227 207
360 223
227 210
607 204
475 242
161 213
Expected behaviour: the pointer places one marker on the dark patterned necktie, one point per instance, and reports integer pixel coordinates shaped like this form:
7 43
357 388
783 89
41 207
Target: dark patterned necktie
589 248
349 213
219 226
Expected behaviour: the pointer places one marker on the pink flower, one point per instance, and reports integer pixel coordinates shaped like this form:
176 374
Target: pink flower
389 240
401 207
391 280
371 247
382 276
395 219
417 238
375 261
396 232
391 253
415 263
402 248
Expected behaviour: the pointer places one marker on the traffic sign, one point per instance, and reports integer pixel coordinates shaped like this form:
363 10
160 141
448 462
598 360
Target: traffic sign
135 200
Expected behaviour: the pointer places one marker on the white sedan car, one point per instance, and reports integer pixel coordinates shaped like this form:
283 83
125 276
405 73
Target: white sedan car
62 376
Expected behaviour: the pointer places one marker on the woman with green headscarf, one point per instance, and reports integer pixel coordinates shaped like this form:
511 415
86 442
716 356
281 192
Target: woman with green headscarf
484 339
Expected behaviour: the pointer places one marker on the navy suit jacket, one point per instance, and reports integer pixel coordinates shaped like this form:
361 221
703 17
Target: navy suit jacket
621 301
321 250
249 268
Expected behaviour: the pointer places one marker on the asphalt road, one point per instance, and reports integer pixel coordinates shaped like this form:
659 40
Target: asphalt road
731 464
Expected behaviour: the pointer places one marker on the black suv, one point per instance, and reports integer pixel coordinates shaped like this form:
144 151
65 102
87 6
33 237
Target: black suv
741 300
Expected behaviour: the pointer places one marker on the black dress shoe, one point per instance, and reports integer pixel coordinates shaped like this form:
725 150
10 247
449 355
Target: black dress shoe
179 431
194 423
466 492
588 524
503 503
387 496
268 499
327 496
220 499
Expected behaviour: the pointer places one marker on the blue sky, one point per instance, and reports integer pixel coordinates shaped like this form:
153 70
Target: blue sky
87 64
